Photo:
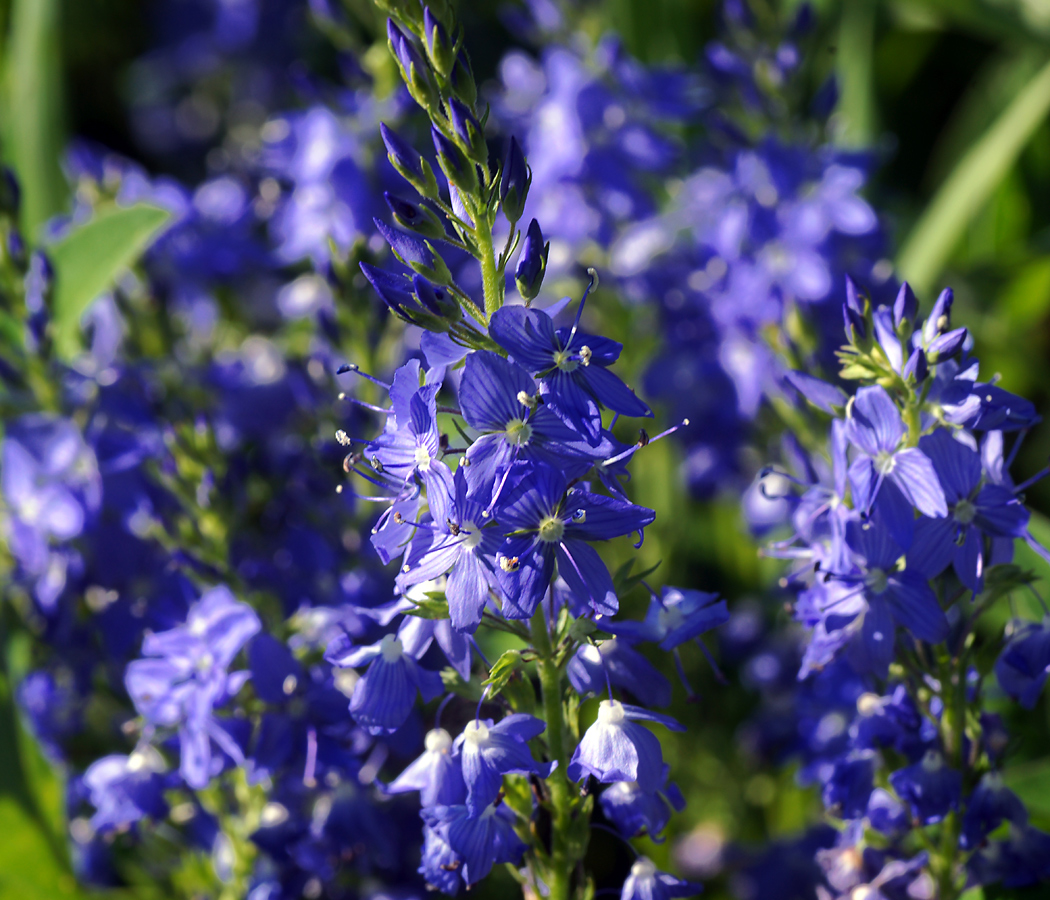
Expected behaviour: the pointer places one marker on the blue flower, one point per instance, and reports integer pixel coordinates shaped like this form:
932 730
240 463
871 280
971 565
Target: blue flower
126 789
437 774
635 811
931 788
572 368
990 804
677 616
478 842
977 510
616 663
544 523
1024 664
499 398
646 883
384 695
488 752
614 748
874 427
461 546
184 677
51 486
894 596
849 786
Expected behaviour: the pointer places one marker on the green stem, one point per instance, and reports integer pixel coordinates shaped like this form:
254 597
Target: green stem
490 274
562 861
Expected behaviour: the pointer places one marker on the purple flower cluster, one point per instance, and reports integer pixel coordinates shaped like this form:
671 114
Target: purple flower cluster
903 539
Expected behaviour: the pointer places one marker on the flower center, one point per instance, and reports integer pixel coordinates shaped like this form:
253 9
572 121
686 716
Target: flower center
878 581
438 741
472 535
643 868
390 648
884 462
476 732
610 712
551 530
518 432
669 618
422 459
964 512
563 360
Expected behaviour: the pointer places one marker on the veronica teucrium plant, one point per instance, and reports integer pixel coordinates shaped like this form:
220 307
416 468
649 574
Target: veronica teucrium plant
495 503
903 548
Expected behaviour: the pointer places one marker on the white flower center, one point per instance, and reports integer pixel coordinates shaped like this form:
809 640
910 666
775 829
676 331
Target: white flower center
422 459
643 868
472 535
551 530
391 649
884 462
476 732
438 741
610 712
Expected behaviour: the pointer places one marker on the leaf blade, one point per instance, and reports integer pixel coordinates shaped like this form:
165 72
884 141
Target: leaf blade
90 258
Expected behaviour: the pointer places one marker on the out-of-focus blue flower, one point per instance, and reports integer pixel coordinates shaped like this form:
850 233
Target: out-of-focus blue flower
1024 664
51 487
594 667
676 616
126 789
183 677
647 883
930 787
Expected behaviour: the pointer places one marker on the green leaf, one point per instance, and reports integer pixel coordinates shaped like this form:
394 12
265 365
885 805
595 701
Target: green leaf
33 110
89 260
434 607
856 105
501 672
964 193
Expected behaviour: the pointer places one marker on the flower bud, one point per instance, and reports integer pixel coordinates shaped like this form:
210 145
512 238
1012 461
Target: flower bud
532 264
415 70
514 183
409 164
404 301
940 318
457 168
415 253
439 47
905 306
436 300
462 80
469 130
413 217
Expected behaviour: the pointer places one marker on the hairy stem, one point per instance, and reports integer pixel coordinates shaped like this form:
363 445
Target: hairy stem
490 275
562 862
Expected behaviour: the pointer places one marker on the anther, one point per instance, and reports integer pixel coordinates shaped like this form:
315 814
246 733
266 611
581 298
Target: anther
585 355
509 563
376 464
342 437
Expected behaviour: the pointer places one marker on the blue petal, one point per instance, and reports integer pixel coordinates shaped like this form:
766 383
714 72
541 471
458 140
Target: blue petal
587 577
526 334
914 605
914 474
488 393
612 392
